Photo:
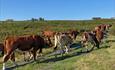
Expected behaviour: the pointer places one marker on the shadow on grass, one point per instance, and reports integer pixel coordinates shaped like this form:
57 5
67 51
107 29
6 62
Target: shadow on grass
110 41
19 65
54 59
106 44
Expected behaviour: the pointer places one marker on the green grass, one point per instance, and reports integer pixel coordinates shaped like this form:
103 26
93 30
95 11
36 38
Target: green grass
101 59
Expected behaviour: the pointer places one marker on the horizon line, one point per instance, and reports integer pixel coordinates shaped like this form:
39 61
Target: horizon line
54 19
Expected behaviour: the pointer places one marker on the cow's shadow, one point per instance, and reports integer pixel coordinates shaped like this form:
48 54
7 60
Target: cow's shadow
76 46
19 65
106 44
110 41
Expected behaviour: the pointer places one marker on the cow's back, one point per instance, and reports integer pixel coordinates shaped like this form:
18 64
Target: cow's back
20 42
48 33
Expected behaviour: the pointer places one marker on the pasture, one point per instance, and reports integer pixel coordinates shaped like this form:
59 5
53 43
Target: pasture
98 59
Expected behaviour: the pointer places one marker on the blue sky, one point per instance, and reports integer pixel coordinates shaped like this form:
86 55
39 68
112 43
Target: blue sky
56 9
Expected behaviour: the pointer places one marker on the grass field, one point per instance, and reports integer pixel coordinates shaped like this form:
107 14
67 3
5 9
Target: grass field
98 59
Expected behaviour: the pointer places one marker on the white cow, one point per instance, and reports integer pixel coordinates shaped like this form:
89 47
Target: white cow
63 41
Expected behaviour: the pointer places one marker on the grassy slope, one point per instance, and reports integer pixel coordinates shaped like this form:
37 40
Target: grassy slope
102 59
28 27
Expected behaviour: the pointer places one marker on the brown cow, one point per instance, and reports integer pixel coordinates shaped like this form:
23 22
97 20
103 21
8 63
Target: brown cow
23 43
104 27
73 33
99 34
49 35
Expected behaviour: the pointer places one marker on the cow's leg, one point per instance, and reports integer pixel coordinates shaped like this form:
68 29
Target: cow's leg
28 57
62 50
4 66
50 41
34 54
55 42
85 47
67 49
24 56
97 45
31 57
6 58
55 48
13 59
40 51
68 46
92 47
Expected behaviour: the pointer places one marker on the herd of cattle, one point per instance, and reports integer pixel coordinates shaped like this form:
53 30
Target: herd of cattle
63 40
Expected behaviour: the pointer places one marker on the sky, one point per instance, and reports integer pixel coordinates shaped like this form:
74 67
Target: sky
56 9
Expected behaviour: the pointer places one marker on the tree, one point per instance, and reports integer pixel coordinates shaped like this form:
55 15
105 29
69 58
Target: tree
96 18
9 20
34 19
41 19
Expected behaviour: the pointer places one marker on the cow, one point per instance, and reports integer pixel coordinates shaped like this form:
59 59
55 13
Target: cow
49 36
24 43
89 37
73 33
63 41
99 34
104 28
